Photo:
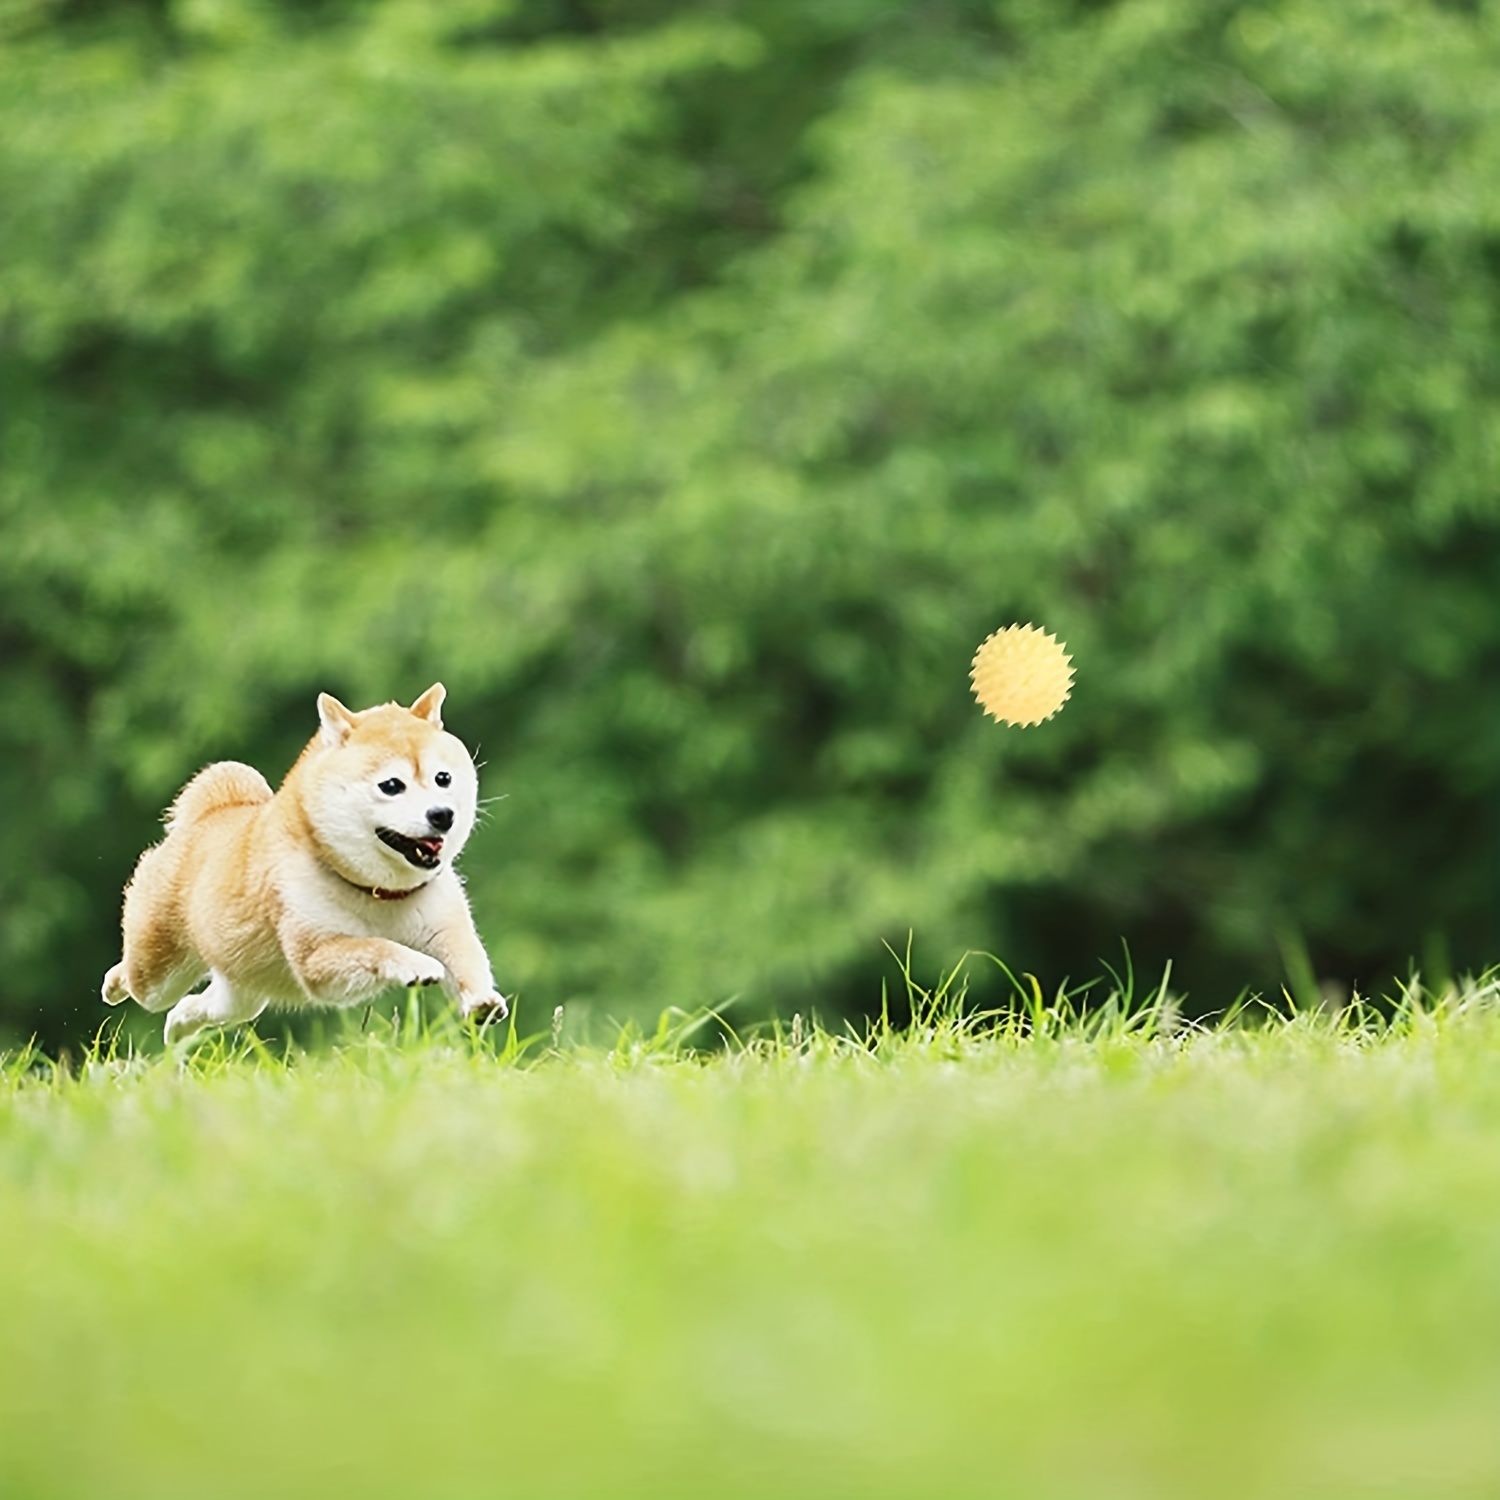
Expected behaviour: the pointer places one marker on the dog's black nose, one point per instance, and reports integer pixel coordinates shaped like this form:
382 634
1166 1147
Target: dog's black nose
441 818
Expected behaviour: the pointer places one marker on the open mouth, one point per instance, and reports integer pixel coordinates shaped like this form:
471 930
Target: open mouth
423 853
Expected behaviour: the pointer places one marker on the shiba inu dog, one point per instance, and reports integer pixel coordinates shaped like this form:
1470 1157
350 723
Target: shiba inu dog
325 892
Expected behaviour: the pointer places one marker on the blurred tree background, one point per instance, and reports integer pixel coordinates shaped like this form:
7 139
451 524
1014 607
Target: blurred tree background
691 387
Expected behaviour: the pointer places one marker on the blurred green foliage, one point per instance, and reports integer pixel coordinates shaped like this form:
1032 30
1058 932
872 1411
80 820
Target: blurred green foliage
691 388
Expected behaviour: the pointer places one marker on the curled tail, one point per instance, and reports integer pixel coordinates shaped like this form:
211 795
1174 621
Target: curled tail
226 783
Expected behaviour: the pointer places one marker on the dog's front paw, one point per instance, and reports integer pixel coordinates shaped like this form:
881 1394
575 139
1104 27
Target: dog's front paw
475 1006
413 969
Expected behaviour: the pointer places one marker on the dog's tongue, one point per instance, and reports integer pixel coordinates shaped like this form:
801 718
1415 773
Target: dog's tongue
433 846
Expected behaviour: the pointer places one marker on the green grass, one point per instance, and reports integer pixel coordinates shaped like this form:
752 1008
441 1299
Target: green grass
1061 1257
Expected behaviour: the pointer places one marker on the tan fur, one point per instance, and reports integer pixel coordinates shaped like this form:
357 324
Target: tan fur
290 898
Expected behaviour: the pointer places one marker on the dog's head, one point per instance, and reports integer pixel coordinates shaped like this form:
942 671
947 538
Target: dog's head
389 795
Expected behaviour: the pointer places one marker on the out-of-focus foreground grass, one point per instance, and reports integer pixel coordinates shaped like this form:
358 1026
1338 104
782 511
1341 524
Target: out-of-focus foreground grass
1057 1259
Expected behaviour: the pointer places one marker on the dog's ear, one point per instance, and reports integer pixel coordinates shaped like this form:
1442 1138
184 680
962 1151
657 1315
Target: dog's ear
430 705
336 721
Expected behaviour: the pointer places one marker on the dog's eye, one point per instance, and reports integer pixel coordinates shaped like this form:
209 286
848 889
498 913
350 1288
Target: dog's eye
393 786
443 779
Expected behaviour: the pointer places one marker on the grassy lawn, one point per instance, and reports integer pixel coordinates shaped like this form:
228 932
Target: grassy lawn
1065 1260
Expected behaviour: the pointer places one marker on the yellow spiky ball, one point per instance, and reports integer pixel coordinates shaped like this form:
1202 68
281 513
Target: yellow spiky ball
1021 675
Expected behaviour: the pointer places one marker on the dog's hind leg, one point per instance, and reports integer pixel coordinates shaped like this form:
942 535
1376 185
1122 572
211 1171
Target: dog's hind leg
114 989
158 965
152 986
157 968
217 1004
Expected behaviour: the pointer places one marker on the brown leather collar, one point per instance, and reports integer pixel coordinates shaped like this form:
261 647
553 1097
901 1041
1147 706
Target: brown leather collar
376 892
381 894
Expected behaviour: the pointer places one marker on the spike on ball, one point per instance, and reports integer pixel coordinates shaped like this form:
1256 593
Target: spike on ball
1021 675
